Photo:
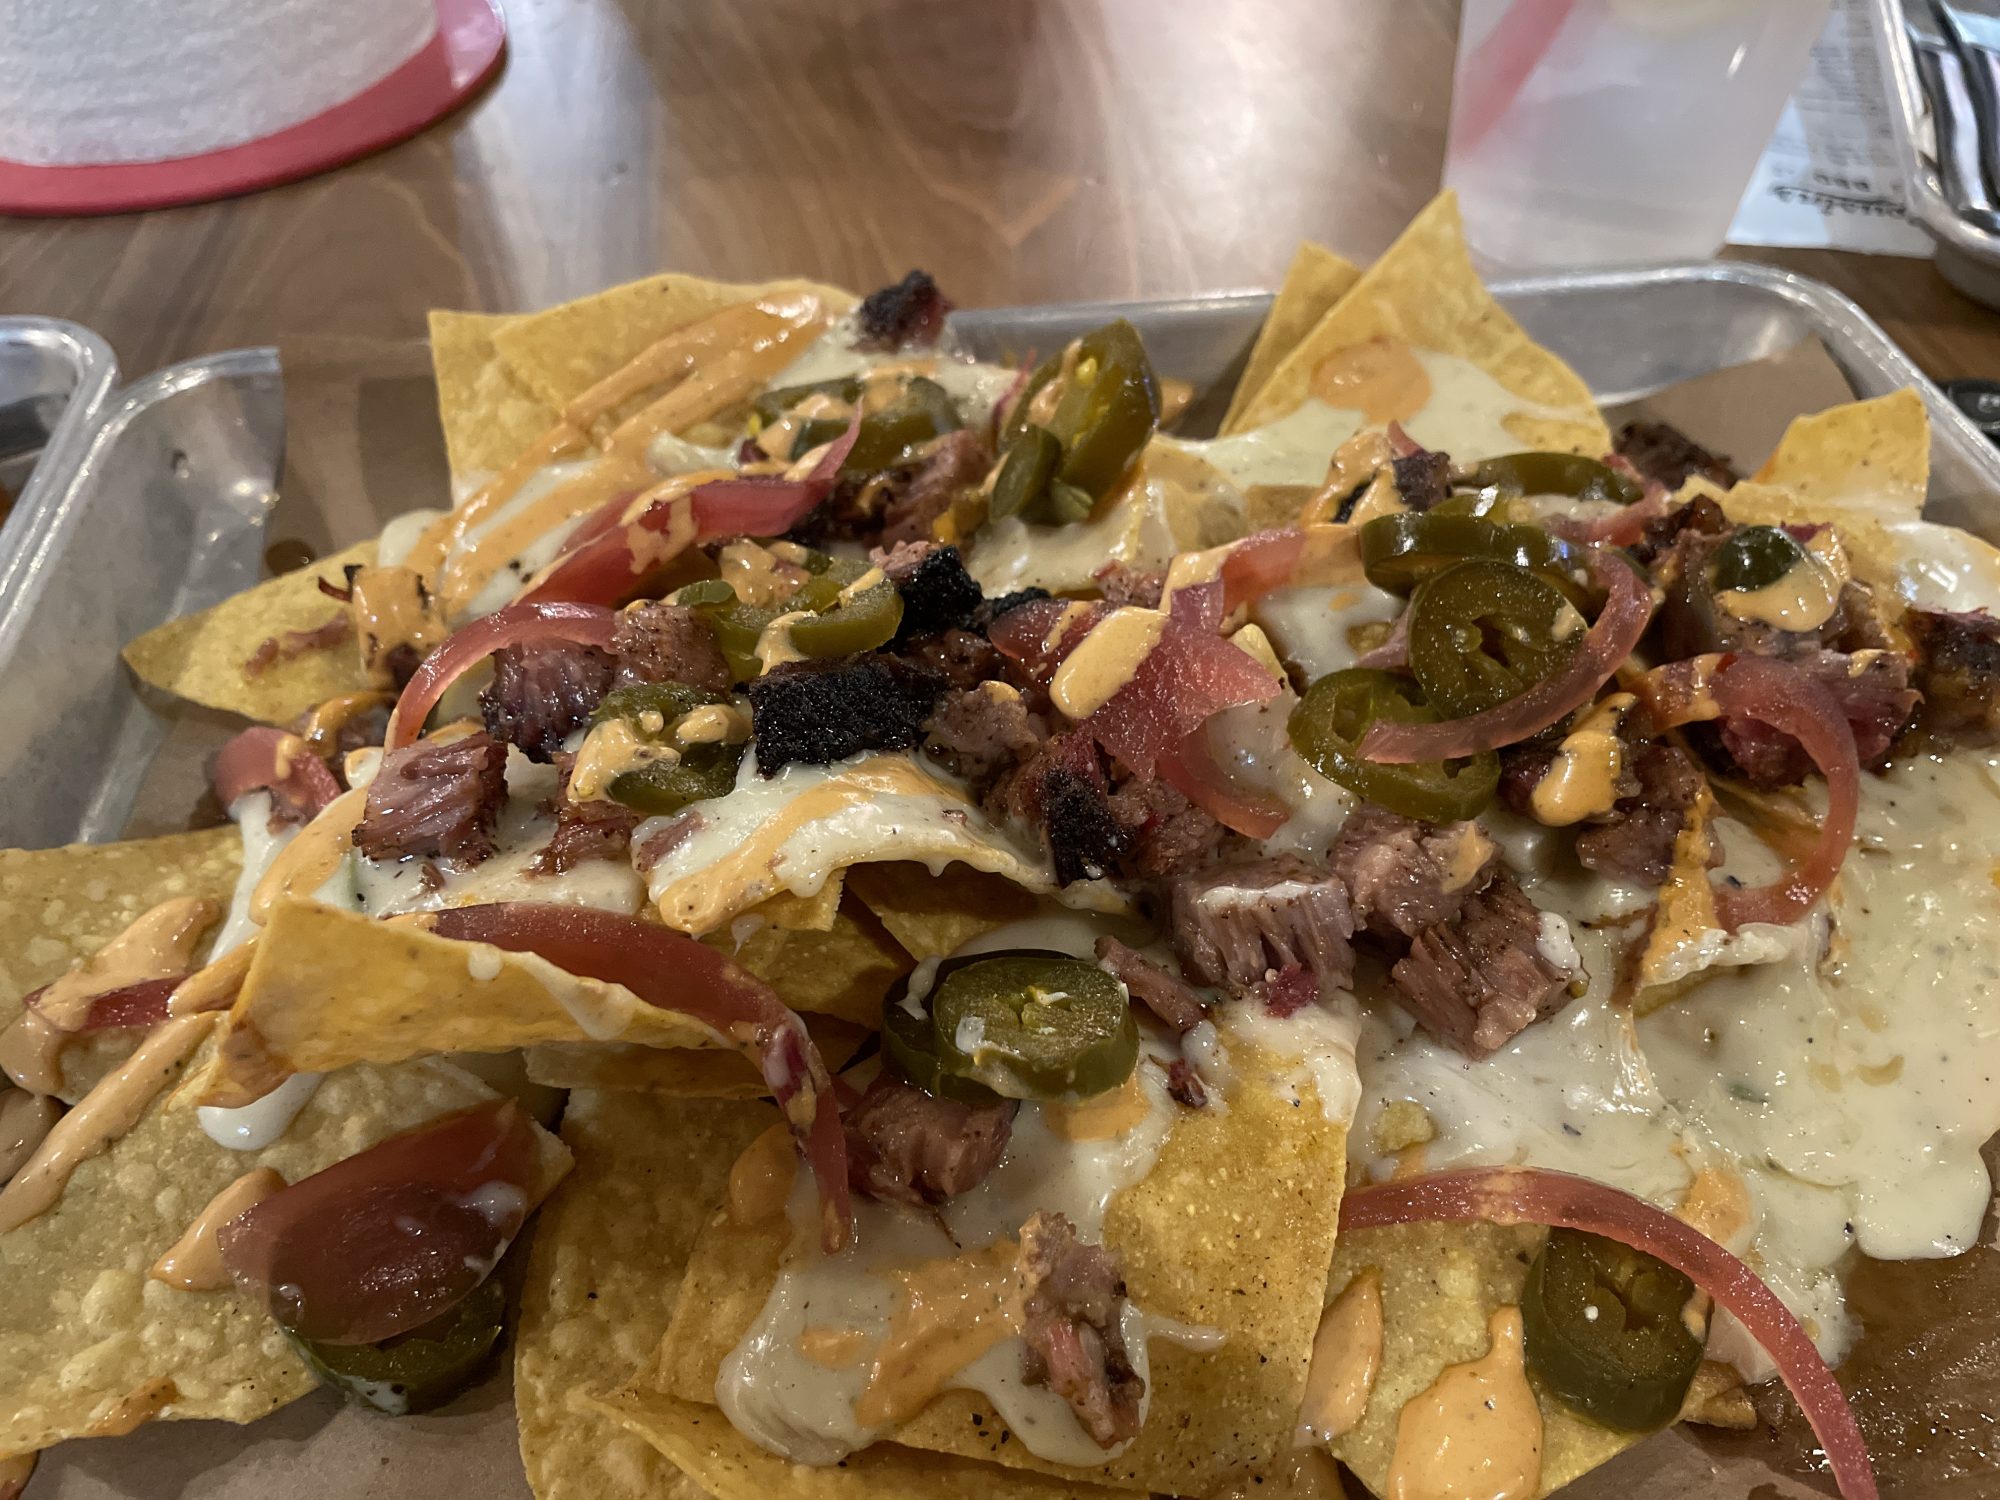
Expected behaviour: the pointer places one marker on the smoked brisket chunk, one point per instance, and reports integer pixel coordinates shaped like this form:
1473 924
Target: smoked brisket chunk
1669 457
1238 926
1071 1321
596 829
543 691
1958 672
818 712
1477 980
1403 876
907 1146
1873 691
983 732
1166 834
435 801
1701 516
659 642
1423 479
1635 842
908 314
1161 991
937 592
915 493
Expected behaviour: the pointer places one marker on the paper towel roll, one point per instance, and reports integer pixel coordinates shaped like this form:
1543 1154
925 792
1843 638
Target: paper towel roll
92 81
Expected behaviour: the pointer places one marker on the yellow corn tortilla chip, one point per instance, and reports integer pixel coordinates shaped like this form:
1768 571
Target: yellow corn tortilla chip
608 1253
59 906
839 972
1873 457
933 915
1440 1285
729 1466
329 988
562 352
1425 292
690 1072
814 913
1315 280
89 1344
489 416
200 657
1231 1230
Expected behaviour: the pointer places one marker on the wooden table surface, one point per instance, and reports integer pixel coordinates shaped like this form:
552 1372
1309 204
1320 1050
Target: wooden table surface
1040 149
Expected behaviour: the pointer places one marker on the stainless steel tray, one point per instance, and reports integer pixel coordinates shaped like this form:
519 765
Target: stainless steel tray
54 377
1968 256
166 511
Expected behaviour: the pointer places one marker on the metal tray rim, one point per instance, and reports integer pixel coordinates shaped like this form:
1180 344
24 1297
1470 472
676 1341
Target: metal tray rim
1933 210
96 369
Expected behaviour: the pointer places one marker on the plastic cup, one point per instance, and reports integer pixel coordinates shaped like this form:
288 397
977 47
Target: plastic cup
1615 132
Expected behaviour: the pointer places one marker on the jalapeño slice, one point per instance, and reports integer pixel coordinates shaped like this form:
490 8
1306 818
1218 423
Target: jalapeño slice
922 411
702 772
1482 632
1401 551
1755 557
670 700
1608 1330
909 1043
868 620
1035 1026
773 405
418 1370
1568 474
1327 726
1108 409
1027 469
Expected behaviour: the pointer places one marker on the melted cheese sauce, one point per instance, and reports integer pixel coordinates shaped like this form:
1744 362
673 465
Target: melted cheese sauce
976 388
261 845
1313 628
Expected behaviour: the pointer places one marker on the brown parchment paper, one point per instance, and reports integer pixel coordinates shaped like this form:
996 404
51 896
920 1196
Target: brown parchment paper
363 444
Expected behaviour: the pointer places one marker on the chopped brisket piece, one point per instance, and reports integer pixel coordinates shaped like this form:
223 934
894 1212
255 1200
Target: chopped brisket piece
1235 927
908 314
1403 876
907 1146
1522 768
1423 478
1167 835
435 801
1287 991
1958 671
330 632
938 594
1701 516
1164 993
1477 980
916 493
1121 585
658 642
541 692
597 829
1635 841
1692 619
1669 457
982 732
1071 1321
399 664
1085 840
993 609
964 659
1873 691
818 712
1184 1085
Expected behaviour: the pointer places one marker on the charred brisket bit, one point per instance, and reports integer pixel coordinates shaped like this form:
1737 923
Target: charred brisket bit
820 712
1167 835
1071 1322
982 732
1154 986
1422 479
1669 457
658 642
543 691
916 493
1701 516
1958 671
1635 841
1085 840
907 1146
1121 585
1478 980
400 662
909 314
938 594
1238 926
964 659
434 800
597 829
1184 1085
1403 876
993 609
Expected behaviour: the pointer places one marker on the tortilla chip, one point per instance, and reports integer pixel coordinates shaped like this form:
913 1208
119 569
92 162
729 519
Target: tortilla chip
842 971
1315 280
1425 292
329 988
1440 1284
562 352
609 1249
934 915
1873 457
59 906
88 1342
689 1072
1231 1230
726 1464
201 656
814 913
489 416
